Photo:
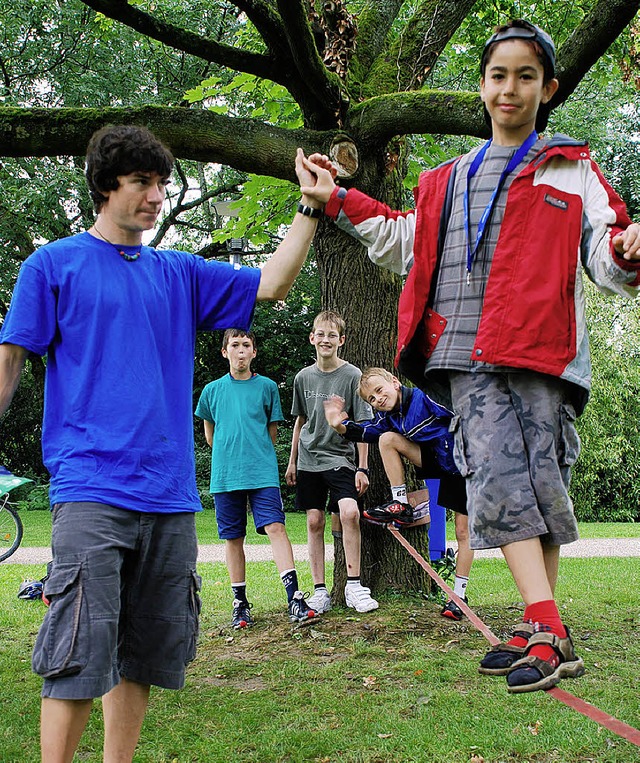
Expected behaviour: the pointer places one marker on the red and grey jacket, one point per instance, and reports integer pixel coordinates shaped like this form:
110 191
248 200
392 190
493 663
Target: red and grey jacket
560 214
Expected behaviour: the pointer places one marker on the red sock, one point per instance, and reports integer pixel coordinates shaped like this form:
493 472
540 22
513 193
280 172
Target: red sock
545 617
518 640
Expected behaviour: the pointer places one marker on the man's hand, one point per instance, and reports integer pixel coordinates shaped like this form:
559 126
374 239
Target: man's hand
316 177
334 411
627 243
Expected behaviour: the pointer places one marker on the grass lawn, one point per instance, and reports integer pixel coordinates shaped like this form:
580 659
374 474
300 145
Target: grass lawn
37 529
392 686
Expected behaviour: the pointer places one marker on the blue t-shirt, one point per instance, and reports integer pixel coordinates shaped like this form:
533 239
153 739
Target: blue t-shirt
243 456
120 338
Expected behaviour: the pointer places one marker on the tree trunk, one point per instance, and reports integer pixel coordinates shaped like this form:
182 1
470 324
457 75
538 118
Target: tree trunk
367 298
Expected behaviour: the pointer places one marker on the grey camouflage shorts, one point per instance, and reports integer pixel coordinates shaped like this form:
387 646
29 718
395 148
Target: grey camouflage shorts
515 443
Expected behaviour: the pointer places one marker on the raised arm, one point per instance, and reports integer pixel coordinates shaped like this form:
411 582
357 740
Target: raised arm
12 358
335 413
281 270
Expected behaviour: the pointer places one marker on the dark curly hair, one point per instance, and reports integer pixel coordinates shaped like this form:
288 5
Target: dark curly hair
120 150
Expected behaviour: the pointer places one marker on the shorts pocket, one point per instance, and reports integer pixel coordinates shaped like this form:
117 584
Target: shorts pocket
193 624
569 441
61 648
459 446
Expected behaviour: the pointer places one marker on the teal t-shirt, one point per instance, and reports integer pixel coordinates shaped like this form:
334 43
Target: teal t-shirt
243 456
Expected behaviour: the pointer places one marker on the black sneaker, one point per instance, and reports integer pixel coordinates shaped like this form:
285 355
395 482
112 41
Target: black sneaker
452 610
241 617
394 511
299 610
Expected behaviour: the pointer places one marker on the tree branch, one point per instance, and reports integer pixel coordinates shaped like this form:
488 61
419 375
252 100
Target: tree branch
374 24
264 18
245 144
377 120
176 37
589 41
405 65
310 68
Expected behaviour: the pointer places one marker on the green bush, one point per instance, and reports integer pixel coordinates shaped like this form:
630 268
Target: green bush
606 480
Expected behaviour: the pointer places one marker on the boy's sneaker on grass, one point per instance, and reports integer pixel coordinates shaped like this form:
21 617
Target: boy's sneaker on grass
319 601
452 610
394 511
241 617
299 609
359 598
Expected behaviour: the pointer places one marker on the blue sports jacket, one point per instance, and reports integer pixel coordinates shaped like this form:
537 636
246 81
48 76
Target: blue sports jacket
420 419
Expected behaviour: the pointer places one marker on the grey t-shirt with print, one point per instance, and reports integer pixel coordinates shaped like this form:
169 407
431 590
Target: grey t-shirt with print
321 447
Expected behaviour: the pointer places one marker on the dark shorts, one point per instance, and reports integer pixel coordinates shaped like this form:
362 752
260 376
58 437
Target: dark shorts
515 442
231 510
313 489
124 598
452 493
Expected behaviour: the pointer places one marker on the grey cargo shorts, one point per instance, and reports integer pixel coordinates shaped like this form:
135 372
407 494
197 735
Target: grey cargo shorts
515 443
124 599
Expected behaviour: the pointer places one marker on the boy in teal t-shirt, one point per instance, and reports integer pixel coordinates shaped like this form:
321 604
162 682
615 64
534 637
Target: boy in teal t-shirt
243 409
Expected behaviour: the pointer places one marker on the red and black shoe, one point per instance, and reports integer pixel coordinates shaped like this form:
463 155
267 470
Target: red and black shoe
394 511
452 610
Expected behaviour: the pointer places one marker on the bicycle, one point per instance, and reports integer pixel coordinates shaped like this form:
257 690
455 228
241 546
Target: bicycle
10 522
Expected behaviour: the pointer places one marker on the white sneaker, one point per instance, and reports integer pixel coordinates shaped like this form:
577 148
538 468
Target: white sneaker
319 601
359 597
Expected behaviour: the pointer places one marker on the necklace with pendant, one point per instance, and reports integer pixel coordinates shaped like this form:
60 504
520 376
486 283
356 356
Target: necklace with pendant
128 257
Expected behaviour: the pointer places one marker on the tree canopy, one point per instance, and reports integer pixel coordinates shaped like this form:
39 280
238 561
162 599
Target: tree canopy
360 73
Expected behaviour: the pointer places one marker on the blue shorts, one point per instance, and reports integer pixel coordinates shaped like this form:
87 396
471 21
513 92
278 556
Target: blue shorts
231 511
124 599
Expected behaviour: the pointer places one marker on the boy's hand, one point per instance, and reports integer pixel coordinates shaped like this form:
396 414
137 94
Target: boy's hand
627 243
290 476
362 483
334 411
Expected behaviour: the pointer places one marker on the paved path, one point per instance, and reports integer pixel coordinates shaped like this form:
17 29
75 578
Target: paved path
589 547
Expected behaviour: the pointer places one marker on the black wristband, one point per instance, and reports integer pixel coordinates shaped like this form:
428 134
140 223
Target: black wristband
303 209
364 471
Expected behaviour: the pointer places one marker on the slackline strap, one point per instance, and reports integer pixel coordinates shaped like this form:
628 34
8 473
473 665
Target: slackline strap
590 711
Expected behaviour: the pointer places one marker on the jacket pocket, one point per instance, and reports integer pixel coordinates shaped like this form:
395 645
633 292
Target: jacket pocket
459 447
61 648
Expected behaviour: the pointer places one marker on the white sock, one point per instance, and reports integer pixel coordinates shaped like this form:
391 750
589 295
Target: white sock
399 493
460 586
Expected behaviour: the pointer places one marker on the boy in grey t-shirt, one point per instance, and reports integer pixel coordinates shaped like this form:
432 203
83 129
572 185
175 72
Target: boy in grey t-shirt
322 464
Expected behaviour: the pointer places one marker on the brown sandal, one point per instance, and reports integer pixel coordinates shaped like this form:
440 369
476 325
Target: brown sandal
571 666
499 659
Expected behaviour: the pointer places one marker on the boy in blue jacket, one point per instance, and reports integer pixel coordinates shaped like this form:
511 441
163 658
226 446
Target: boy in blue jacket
409 424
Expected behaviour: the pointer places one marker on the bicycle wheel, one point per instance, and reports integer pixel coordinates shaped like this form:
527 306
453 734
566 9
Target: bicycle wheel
10 531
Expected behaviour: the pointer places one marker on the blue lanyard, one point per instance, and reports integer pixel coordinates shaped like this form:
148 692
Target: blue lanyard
486 215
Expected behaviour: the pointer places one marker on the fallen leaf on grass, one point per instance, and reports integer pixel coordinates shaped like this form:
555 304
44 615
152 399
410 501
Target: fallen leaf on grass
369 681
384 736
535 729
229 639
476 759
317 634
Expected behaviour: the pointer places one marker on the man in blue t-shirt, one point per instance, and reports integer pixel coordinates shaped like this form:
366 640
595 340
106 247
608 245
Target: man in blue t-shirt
242 410
117 321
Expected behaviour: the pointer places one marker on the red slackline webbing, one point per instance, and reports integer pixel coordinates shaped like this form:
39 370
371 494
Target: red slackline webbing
585 708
